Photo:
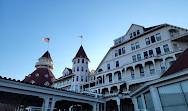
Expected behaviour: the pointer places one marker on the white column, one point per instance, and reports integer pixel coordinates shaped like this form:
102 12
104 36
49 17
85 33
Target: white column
156 99
70 109
105 106
45 104
118 104
53 104
94 107
97 106
135 103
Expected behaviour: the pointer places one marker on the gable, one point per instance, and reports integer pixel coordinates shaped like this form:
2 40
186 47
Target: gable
66 72
134 29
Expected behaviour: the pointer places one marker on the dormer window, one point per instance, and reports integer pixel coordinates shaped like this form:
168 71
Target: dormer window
119 40
46 83
134 33
37 75
138 32
116 42
46 75
131 35
32 82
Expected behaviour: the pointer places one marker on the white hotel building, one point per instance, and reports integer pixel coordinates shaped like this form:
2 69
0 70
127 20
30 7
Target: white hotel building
137 58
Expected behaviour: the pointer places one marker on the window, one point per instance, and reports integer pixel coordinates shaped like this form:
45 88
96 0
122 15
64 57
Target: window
74 61
123 50
147 41
73 69
149 101
158 50
46 83
151 68
158 37
86 70
82 60
134 58
86 62
82 79
86 79
78 60
77 78
145 54
137 45
152 39
141 71
119 76
166 48
117 63
134 33
138 32
116 53
37 75
82 69
131 35
138 57
73 79
119 40
151 52
108 66
76 87
119 51
132 74
77 68
133 46
32 82
116 42
172 97
123 38
110 78
46 75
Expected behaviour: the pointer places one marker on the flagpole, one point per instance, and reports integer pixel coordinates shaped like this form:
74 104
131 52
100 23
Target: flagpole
48 46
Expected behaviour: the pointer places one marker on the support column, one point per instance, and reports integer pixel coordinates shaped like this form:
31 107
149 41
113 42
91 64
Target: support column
97 106
135 103
94 107
45 104
105 106
109 89
118 104
53 104
156 99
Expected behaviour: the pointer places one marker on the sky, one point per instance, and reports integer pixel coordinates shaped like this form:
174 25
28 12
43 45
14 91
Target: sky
23 24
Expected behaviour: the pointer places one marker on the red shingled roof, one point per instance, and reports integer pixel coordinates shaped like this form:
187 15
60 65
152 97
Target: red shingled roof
180 64
41 79
81 53
47 55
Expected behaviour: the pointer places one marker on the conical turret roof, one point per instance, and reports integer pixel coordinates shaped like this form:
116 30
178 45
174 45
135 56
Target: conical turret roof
81 53
47 55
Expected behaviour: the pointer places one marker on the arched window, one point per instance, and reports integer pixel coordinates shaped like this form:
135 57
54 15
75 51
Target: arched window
117 63
132 74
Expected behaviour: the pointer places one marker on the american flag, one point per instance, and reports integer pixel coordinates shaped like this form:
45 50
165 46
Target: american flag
46 39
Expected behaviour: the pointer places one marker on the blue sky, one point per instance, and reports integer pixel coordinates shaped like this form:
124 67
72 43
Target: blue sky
23 24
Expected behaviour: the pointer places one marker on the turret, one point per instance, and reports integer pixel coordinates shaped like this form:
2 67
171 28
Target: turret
45 61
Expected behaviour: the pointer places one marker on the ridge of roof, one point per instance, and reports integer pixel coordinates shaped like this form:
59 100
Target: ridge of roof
81 53
180 64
